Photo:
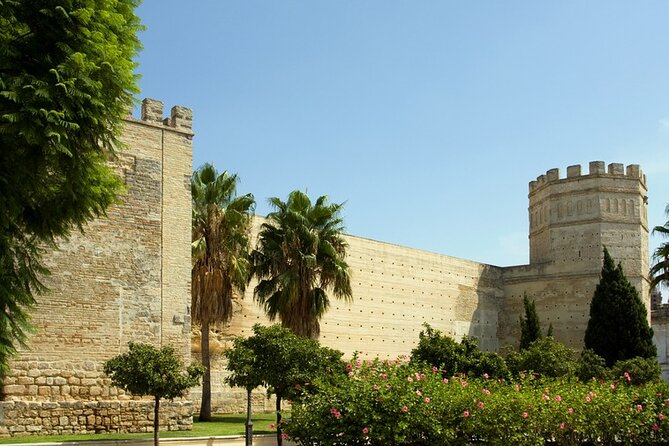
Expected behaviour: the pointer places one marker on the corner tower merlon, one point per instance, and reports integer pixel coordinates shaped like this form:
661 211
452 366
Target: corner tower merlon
181 118
572 218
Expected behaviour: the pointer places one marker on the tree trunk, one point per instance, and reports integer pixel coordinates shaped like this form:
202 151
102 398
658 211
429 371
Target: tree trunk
156 421
205 406
279 439
249 423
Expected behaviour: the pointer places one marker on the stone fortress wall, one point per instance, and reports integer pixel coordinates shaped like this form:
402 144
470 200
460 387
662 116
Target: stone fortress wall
396 288
128 278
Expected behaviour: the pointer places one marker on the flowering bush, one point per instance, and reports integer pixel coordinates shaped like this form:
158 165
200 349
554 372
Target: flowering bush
397 403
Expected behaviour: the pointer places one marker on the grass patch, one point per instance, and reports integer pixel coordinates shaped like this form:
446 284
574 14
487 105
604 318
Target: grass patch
229 424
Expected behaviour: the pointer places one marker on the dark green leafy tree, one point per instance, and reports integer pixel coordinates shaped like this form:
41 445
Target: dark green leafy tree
146 370
659 272
618 327
244 372
530 328
287 364
299 259
221 268
66 82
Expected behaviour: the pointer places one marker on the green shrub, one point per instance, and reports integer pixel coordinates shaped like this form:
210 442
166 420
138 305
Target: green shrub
441 351
637 371
590 365
396 403
545 357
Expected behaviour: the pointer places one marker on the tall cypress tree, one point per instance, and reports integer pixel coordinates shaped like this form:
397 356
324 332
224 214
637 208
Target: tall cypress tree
618 326
530 330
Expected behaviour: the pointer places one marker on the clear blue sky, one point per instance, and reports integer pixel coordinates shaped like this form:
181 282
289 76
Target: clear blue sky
427 118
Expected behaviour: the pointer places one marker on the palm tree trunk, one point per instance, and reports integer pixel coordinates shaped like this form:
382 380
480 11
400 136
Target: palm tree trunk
205 405
156 421
279 439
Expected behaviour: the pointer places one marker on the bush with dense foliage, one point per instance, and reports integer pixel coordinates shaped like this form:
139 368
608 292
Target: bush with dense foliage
441 351
395 403
545 357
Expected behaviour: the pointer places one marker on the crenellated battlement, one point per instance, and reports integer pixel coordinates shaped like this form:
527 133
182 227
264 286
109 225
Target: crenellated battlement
596 168
181 118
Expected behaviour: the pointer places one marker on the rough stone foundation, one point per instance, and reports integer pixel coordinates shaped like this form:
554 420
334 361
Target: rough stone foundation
88 417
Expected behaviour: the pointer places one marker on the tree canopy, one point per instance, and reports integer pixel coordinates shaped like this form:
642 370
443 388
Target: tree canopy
146 370
618 327
286 363
66 83
299 259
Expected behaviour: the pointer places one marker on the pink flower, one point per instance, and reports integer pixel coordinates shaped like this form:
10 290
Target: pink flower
349 366
284 436
419 393
525 415
465 413
588 399
486 376
358 362
613 386
404 408
570 410
350 373
480 404
376 387
627 376
545 397
561 425
410 379
639 407
656 427
427 400
445 380
365 430
464 383
272 426
485 392
558 398
661 416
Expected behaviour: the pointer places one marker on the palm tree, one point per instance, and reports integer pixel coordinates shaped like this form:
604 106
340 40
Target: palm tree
659 273
221 265
300 255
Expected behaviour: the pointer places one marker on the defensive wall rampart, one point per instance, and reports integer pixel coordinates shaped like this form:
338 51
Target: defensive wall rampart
128 278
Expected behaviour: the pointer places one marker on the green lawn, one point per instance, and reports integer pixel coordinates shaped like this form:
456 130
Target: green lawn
232 424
